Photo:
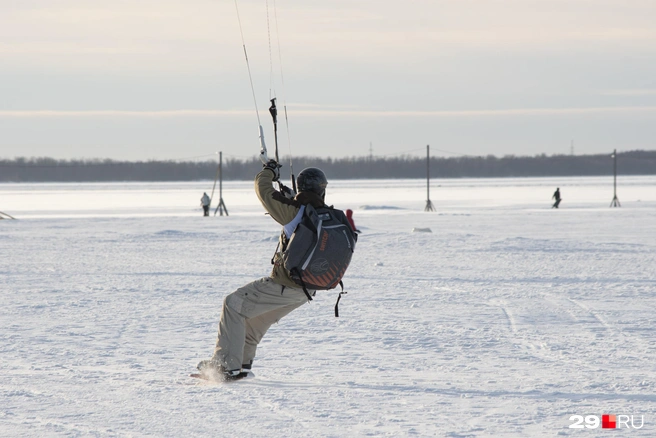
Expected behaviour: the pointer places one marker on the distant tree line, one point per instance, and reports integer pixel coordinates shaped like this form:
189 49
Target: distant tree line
52 170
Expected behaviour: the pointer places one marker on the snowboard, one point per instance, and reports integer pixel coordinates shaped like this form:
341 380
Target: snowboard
218 379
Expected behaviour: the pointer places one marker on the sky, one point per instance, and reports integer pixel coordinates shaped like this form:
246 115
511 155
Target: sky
167 79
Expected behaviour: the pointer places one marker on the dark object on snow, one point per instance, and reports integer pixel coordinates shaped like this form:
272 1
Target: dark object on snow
557 197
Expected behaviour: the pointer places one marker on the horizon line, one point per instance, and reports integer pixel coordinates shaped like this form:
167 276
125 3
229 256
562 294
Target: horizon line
325 112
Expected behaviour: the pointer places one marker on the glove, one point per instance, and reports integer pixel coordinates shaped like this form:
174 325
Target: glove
287 192
274 167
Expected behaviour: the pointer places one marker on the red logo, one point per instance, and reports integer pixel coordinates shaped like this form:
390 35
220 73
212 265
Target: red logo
608 421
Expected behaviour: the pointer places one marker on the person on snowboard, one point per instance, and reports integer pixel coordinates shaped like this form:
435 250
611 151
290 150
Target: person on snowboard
248 312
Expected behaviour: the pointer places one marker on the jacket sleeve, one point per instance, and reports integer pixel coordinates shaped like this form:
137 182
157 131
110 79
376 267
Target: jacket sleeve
281 209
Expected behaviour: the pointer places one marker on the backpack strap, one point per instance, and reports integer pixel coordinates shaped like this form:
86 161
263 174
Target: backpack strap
273 258
339 297
300 277
309 297
283 236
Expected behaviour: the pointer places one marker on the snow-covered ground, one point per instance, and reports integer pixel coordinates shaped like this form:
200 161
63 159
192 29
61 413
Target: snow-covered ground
506 320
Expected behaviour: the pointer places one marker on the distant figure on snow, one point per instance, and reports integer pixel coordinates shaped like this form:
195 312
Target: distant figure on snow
349 216
205 203
557 197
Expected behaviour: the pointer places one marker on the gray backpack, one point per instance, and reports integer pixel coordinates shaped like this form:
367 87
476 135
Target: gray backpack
319 250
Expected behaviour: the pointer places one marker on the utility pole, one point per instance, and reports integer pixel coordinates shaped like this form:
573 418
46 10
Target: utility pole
219 172
370 166
615 202
429 204
5 214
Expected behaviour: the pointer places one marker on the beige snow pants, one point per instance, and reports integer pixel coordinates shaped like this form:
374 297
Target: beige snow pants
246 316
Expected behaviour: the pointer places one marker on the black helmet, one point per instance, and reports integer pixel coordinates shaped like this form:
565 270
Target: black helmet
312 179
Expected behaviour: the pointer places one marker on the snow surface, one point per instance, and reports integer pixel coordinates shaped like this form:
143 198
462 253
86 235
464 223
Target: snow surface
505 320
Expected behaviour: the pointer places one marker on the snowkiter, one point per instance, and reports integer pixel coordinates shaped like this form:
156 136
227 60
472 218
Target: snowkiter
248 312
205 203
556 197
